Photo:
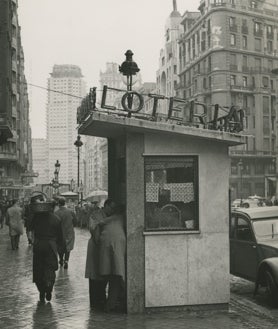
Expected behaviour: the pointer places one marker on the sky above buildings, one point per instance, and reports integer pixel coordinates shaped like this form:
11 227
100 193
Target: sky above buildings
89 33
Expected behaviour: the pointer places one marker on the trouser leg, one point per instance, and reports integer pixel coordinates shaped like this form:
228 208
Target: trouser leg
114 293
13 242
17 238
61 257
97 293
67 255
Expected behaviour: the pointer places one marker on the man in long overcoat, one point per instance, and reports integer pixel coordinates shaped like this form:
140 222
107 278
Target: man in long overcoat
15 222
67 218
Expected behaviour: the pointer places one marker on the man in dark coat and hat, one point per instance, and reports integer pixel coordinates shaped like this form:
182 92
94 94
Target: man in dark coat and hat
67 218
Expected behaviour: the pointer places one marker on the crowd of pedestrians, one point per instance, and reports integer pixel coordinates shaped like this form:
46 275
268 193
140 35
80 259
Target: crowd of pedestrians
51 233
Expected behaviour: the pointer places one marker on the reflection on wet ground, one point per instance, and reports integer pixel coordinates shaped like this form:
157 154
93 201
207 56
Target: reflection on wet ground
69 307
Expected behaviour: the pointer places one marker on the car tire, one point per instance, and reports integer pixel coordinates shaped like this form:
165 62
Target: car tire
271 287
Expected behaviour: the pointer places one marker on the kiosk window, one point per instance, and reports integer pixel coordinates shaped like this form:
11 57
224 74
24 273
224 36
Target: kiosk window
171 193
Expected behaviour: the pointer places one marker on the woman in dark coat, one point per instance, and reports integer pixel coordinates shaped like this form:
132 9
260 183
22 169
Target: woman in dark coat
47 233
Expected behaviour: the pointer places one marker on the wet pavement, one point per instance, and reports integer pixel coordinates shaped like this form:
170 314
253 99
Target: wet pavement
69 307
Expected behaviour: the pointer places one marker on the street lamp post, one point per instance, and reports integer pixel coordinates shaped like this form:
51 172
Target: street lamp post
129 68
55 181
275 71
78 143
240 166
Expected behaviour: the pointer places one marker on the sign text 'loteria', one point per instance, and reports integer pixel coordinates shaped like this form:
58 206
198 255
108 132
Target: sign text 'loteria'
180 111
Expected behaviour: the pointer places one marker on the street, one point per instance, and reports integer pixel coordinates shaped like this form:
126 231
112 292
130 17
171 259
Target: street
69 307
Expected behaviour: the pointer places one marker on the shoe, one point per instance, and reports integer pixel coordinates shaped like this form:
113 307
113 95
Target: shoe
42 296
66 265
48 296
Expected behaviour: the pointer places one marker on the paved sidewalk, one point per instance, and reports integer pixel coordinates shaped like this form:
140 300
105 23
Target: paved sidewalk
69 308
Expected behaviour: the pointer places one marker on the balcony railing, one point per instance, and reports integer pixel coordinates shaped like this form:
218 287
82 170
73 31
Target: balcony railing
233 28
8 156
242 88
233 67
244 29
258 33
251 153
245 69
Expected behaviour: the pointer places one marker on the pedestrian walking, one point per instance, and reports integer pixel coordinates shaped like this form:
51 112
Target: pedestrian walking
47 235
14 220
67 218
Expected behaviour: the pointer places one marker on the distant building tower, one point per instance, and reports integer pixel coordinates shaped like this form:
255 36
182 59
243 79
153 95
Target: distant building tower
66 89
167 74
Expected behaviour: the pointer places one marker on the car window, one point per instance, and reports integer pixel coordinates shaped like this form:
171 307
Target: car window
232 226
243 230
266 229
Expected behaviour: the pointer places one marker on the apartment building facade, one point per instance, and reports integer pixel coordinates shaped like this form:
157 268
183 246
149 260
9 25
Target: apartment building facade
15 131
226 55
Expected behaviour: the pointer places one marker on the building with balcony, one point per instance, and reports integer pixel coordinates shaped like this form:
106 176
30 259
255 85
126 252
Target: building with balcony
226 55
15 131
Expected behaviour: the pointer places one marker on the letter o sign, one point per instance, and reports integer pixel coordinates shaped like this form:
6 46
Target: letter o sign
128 98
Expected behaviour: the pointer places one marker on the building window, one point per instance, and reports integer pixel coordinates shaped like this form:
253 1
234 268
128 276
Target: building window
269 46
258 44
253 4
244 41
245 101
244 81
233 40
259 168
265 105
233 80
269 31
171 193
232 22
257 27
265 83
266 127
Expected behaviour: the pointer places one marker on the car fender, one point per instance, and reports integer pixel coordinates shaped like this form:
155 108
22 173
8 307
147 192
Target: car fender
271 264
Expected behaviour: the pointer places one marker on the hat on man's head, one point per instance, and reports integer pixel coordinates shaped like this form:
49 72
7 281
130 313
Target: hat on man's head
61 201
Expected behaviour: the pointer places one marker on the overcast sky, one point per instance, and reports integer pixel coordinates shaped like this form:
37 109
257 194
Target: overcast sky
89 33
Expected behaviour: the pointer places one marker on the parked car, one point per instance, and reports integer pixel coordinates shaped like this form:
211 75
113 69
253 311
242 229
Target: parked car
236 203
254 247
254 201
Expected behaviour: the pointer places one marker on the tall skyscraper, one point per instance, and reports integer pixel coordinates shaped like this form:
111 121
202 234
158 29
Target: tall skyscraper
66 89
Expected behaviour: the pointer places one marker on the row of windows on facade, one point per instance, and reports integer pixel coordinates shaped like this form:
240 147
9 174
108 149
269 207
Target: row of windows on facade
259 168
234 81
257 44
266 82
199 39
258 27
253 4
9 147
